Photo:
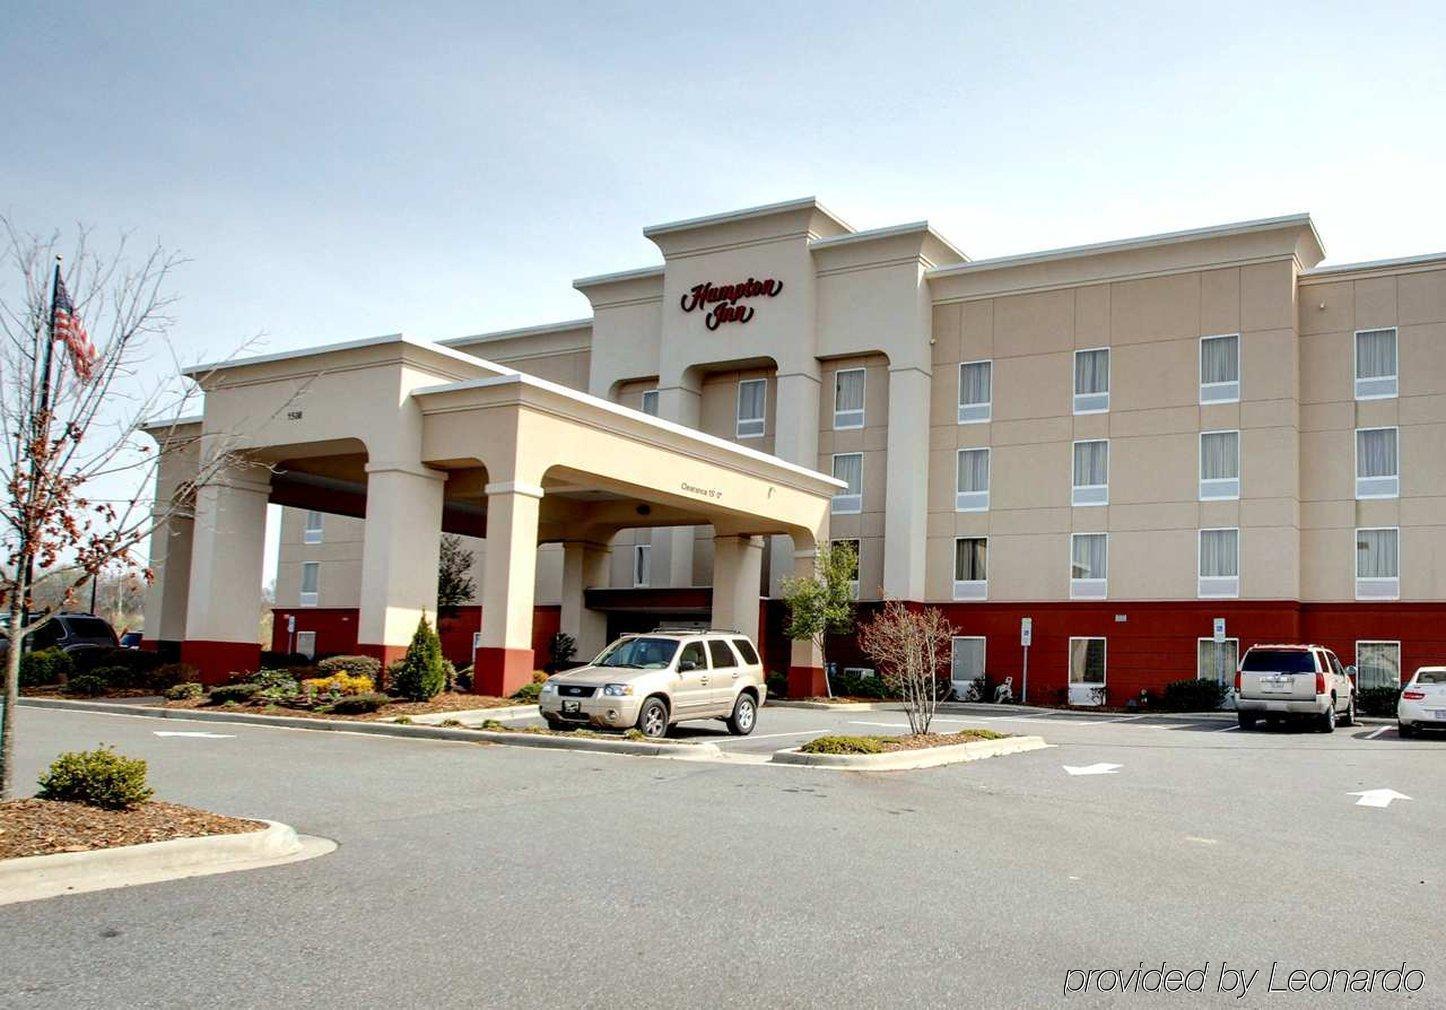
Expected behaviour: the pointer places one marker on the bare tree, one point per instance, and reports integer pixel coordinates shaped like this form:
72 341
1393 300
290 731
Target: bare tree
77 467
911 647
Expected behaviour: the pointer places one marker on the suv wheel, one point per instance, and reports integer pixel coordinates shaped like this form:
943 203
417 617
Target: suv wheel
1328 718
1246 719
744 717
653 719
1350 716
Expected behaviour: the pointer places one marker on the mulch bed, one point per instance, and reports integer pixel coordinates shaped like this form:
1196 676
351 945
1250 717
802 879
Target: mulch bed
455 701
41 827
921 741
59 692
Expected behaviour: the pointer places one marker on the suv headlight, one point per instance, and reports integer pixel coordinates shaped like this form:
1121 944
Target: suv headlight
617 690
549 687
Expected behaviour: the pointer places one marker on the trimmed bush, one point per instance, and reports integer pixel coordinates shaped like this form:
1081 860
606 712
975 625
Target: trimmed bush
275 679
189 691
281 660
856 686
340 684
420 675
1195 695
357 704
464 679
233 693
777 684
1378 701
98 778
44 667
528 692
87 685
137 662
449 674
360 666
168 675
843 745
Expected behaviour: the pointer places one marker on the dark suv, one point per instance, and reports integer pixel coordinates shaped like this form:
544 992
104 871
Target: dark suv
73 633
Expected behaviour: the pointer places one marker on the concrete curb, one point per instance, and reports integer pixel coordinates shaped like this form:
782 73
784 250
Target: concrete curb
700 751
1034 710
470 715
31 878
924 757
842 706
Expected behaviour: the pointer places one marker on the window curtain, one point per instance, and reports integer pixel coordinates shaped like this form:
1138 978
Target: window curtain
1219 554
750 400
849 390
1220 360
971 559
1209 663
1092 371
313 521
1378 664
1089 556
1220 455
1087 661
850 469
1376 354
974 470
967 659
974 382
1377 554
1376 453
1091 463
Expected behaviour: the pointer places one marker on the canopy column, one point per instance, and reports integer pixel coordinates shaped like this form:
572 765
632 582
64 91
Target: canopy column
584 567
401 549
806 677
505 660
737 574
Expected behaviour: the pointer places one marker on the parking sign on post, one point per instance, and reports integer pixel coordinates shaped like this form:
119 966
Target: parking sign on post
1026 635
1219 629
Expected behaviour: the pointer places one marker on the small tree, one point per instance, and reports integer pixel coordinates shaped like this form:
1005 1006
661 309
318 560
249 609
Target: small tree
420 676
454 574
911 648
823 604
561 650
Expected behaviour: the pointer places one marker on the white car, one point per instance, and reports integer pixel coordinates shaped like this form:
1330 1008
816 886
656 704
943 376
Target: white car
1423 702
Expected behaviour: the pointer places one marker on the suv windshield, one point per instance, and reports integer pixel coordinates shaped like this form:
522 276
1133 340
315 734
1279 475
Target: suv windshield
640 653
1278 661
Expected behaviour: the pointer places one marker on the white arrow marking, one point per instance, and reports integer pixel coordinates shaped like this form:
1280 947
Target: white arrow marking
1103 768
1378 797
206 736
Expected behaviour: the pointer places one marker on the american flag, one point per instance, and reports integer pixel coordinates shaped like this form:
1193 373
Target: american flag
66 325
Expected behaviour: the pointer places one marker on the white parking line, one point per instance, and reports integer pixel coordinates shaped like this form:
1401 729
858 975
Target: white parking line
769 736
1375 733
1227 729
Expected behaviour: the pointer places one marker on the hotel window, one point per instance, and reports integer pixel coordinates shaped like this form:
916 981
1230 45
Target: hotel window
1217 660
752 401
310 579
1378 664
854 575
1089 560
1219 563
848 398
971 568
1378 564
1086 671
1091 473
642 565
1220 369
1376 369
1092 381
849 468
1378 463
311 533
650 402
306 643
976 388
1219 465
966 663
971 492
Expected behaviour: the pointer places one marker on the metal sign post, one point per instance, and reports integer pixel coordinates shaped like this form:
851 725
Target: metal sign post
1220 649
1026 635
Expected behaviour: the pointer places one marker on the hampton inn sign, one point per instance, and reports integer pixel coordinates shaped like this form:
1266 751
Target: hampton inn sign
724 300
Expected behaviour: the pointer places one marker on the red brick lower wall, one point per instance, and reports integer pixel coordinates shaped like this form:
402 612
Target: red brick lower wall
336 633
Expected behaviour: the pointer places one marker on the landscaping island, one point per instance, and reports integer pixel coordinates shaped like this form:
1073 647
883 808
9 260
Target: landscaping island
890 744
36 827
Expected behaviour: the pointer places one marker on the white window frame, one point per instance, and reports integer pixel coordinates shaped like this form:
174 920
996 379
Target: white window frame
312 534
970 589
750 427
961 686
1092 403
650 394
1376 587
1084 693
1371 488
1089 589
308 652
309 599
973 501
1377 387
844 420
1217 587
1220 392
1230 668
845 504
1218 488
1356 656
642 562
974 413
1089 495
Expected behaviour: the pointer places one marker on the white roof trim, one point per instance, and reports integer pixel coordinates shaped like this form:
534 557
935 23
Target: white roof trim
523 331
888 232
613 278
173 422
520 378
743 215
1400 261
348 345
1122 245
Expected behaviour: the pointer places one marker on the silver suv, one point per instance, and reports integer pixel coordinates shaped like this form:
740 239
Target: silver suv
655 680
1304 682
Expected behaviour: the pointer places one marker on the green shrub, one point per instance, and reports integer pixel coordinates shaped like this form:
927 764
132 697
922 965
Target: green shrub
420 675
449 675
233 693
357 704
1193 695
777 684
137 663
528 692
99 778
1378 701
843 745
168 675
188 691
464 679
44 667
857 686
281 660
357 666
275 685
403 720
87 685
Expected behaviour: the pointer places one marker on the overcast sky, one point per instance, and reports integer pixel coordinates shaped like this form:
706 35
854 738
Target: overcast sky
342 171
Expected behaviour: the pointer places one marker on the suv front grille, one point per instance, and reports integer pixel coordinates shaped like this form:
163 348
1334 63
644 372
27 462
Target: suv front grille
576 691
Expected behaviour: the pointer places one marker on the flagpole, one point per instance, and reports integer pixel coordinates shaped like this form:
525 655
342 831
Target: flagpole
48 358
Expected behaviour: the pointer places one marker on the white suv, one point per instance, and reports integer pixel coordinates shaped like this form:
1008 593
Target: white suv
1304 682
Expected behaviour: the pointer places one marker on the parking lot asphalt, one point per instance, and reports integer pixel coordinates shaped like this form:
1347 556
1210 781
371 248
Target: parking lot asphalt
495 876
